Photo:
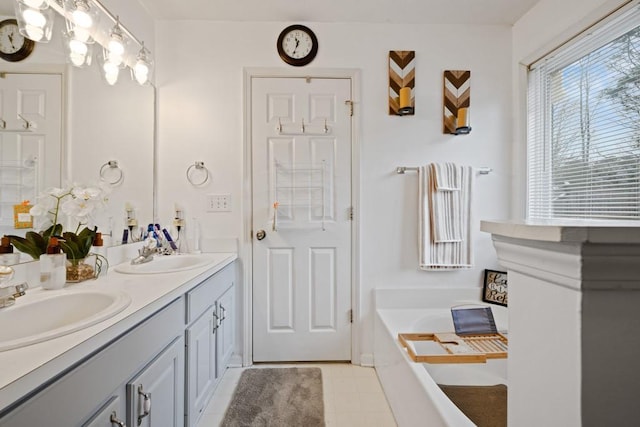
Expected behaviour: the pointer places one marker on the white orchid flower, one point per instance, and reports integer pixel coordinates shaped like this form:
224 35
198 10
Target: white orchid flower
56 192
87 193
78 208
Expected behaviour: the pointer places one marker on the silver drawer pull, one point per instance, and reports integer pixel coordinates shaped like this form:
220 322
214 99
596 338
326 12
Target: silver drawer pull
145 406
114 420
224 312
216 322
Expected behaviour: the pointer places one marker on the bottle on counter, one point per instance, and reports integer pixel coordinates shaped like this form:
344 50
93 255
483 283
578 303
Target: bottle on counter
7 255
53 273
97 248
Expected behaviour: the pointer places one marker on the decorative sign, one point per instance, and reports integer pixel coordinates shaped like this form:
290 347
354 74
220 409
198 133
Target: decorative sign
402 81
21 216
457 98
495 290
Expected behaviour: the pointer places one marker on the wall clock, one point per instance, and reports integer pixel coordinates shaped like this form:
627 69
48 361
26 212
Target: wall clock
13 45
297 45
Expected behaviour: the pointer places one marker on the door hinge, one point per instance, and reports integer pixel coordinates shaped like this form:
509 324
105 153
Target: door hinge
350 213
350 104
351 316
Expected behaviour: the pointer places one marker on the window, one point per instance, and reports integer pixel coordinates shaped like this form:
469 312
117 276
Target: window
583 135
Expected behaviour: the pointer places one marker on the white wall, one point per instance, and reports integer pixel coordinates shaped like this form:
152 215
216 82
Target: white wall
199 79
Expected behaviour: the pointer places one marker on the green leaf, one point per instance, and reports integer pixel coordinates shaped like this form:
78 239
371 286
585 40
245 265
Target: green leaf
54 230
38 241
76 246
26 246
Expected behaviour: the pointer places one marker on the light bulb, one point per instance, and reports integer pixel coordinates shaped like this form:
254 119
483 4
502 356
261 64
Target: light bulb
81 18
141 72
34 18
34 33
78 47
111 72
115 59
82 34
115 46
36 4
77 59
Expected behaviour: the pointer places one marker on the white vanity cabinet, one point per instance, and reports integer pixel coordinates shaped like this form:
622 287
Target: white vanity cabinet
209 339
161 372
90 393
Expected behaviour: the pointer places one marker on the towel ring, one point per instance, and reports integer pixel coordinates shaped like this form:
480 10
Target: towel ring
111 164
197 166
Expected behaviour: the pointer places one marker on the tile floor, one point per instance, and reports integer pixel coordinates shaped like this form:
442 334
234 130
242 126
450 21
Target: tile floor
353 397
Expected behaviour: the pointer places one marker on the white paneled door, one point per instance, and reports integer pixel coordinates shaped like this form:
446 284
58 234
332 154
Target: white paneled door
301 169
30 139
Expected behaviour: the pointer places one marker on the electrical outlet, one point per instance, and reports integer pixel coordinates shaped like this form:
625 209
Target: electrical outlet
218 203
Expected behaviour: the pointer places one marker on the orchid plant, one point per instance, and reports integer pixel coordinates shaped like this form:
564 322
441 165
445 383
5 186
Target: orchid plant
75 204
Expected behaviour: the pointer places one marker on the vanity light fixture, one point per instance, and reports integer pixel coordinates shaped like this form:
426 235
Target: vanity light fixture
35 19
83 28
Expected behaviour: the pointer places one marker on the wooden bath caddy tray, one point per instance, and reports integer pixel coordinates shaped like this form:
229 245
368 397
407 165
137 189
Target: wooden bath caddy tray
458 349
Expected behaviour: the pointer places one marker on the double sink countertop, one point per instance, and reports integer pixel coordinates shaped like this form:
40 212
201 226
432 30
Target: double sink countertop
27 368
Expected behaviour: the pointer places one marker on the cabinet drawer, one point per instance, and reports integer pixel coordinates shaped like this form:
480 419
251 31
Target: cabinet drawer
202 297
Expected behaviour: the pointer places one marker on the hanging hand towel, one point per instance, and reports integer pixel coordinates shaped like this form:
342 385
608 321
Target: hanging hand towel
442 255
446 225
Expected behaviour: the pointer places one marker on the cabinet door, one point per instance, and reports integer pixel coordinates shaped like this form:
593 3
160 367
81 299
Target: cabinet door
226 332
155 396
112 414
201 364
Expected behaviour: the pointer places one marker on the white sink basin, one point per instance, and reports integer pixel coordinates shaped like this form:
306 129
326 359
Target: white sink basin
51 314
165 264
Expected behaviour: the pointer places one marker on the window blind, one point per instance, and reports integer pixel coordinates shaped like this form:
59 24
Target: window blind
583 130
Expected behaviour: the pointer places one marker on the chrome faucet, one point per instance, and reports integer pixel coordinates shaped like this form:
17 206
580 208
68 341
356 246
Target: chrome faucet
145 254
9 293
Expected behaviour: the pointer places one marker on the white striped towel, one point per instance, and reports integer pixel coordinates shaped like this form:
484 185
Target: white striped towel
446 221
446 176
445 255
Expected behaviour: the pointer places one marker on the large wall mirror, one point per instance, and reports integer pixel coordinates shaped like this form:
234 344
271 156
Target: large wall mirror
91 127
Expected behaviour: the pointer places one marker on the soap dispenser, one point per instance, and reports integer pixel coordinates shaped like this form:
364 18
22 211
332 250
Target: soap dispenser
7 255
180 234
97 248
53 273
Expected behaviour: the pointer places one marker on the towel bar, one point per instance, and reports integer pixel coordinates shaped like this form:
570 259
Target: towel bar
402 169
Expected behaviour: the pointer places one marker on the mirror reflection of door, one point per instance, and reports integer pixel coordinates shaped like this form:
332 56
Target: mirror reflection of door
30 140
301 153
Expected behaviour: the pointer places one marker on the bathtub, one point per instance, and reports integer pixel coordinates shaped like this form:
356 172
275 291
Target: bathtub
412 388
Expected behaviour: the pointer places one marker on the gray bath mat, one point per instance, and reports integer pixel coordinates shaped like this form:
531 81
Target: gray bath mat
277 397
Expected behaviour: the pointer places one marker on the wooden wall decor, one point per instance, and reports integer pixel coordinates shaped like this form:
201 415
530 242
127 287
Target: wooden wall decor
457 91
402 80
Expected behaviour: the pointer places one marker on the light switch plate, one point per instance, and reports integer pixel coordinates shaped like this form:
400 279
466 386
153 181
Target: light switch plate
218 203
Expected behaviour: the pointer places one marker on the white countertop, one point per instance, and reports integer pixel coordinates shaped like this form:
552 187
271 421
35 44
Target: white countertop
26 368
566 230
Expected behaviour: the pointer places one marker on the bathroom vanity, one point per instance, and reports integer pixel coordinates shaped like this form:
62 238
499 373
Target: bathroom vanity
155 363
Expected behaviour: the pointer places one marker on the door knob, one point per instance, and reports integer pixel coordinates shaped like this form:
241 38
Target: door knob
261 234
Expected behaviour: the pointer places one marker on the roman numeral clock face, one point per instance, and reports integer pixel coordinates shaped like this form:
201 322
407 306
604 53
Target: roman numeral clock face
297 45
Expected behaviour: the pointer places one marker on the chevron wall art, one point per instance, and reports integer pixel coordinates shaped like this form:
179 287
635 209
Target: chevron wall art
457 91
402 80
